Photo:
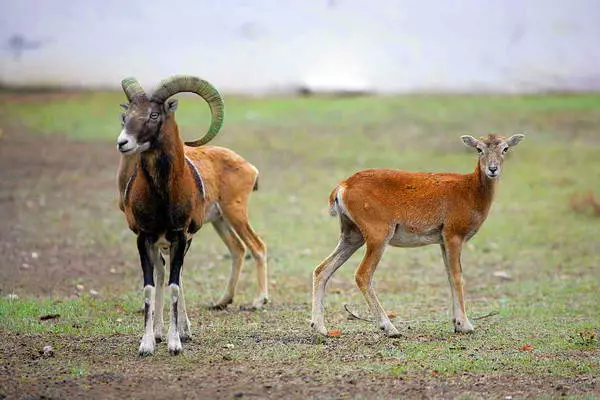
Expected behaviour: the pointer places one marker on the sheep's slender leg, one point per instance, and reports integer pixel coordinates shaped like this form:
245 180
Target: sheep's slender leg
451 249
238 252
364 281
321 276
146 249
177 253
350 240
238 218
185 327
159 324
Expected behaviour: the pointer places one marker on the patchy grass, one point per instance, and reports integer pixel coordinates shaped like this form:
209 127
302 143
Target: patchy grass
549 314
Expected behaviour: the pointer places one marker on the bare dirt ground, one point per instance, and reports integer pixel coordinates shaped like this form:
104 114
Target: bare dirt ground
129 376
43 179
37 260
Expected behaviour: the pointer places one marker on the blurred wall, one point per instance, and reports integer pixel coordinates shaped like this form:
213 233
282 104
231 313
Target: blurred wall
274 45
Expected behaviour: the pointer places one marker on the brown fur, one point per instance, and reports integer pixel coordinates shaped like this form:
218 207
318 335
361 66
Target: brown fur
383 207
182 196
420 201
228 181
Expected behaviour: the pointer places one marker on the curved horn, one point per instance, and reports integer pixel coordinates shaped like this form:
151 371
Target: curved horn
185 83
132 88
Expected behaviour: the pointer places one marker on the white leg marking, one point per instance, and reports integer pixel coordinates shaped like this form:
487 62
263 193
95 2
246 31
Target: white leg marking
461 322
341 206
173 340
147 343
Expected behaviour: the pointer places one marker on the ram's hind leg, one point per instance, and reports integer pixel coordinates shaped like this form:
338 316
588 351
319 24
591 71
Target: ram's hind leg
238 251
350 240
235 213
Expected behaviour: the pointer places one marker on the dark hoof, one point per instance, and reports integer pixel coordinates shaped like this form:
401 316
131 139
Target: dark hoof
175 352
185 338
220 306
158 339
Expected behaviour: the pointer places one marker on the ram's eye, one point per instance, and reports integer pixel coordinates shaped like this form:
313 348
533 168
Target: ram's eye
122 119
154 115
480 150
504 150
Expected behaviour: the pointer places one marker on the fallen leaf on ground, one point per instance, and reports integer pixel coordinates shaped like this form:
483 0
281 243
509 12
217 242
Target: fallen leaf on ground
527 347
334 333
119 309
392 314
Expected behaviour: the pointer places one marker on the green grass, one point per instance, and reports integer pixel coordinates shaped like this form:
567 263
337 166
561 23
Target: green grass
303 147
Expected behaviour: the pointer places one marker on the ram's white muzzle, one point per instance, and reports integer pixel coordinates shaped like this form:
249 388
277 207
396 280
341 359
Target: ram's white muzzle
127 144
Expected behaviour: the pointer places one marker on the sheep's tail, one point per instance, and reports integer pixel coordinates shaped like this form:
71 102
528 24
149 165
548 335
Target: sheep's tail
334 203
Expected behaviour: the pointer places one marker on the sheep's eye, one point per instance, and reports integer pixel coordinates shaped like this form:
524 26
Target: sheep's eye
504 150
480 150
154 115
122 119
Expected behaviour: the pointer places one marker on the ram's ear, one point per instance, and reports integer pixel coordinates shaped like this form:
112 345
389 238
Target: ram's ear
171 105
515 139
470 141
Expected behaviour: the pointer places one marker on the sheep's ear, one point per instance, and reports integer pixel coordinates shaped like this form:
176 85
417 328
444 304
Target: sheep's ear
514 139
171 105
470 141
124 106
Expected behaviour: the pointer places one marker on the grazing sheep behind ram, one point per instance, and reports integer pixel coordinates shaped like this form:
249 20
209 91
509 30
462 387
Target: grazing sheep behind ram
168 191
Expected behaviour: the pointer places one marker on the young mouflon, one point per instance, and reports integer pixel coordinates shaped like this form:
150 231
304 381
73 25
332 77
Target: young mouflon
382 207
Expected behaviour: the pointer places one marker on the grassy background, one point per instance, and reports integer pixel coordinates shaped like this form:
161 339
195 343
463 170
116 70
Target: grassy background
303 147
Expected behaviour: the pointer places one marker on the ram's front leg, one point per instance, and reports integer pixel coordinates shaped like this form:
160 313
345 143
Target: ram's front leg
178 247
146 249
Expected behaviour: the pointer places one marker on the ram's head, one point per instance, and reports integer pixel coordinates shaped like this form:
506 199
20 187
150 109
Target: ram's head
143 117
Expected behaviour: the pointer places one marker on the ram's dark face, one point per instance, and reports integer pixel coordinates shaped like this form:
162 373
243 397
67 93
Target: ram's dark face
141 125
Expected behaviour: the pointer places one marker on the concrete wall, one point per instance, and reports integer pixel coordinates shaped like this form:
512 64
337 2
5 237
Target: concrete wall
273 45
